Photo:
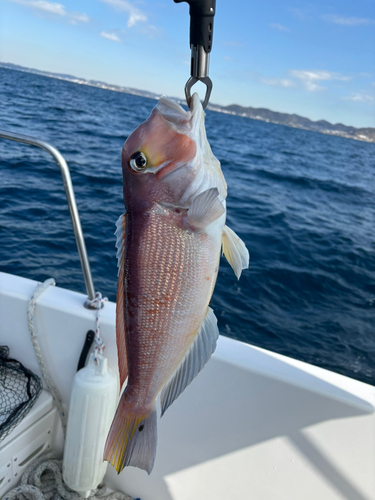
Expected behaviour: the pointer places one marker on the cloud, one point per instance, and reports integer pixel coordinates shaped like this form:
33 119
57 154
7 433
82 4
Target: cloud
347 21
151 31
135 14
110 36
77 17
299 13
278 82
360 97
233 43
309 79
56 9
52 8
279 27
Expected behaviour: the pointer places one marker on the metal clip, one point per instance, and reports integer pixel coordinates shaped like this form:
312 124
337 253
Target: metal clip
192 81
202 14
199 72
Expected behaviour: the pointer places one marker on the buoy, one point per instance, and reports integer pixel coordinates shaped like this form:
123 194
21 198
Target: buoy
91 410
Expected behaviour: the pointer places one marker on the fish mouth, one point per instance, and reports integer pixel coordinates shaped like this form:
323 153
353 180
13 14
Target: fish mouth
165 168
179 128
196 104
183 122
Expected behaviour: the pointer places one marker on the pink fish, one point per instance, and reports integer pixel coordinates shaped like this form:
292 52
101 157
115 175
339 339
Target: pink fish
169 242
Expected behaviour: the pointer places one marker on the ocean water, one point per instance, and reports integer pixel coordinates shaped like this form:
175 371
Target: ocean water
303 203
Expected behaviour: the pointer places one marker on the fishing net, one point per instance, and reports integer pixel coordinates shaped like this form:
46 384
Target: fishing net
19 389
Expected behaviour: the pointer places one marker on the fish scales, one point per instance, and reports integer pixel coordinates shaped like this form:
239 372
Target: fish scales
170 262
169 243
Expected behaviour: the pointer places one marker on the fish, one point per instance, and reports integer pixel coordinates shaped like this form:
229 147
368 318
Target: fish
169 242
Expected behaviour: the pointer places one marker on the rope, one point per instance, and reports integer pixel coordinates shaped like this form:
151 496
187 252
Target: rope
98 302
39 356
42 480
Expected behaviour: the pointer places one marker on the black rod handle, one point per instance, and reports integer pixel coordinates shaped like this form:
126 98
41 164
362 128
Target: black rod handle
85 349
201 22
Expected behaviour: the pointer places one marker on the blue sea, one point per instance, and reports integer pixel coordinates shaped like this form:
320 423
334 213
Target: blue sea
303 202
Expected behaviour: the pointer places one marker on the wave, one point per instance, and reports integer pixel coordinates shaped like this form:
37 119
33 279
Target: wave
329 185
302 202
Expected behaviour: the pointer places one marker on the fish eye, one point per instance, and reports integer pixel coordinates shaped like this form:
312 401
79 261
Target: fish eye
138 161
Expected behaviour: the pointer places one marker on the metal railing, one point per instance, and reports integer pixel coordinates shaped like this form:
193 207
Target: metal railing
70 198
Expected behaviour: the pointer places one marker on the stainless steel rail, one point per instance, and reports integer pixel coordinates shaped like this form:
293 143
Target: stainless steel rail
69 193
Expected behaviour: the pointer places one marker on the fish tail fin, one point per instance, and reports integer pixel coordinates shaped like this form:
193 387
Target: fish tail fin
132 438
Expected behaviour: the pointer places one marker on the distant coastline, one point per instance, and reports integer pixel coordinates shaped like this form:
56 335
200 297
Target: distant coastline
366 134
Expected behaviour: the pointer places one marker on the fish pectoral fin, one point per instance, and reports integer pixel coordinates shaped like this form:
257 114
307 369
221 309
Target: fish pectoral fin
205 209
120 309
235 251
197 356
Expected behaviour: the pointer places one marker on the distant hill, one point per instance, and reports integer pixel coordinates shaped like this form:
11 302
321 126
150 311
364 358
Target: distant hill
296 121
82 81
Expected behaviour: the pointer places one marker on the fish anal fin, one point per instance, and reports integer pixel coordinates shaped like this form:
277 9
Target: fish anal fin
235 251
205 209
196 357
120 309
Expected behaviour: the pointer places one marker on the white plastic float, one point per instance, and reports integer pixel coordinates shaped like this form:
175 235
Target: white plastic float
91 410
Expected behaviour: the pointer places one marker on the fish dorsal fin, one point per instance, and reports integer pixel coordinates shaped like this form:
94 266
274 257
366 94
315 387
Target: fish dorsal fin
205 209
120 307
235 251
195 359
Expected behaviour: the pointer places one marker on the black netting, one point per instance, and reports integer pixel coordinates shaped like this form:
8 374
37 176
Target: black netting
19 389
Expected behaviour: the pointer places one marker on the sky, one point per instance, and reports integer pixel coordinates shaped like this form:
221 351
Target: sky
315 59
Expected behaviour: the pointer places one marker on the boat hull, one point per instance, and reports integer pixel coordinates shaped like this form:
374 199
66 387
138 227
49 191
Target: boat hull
254 424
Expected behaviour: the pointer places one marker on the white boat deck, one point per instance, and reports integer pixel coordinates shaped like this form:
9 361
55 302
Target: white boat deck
253 425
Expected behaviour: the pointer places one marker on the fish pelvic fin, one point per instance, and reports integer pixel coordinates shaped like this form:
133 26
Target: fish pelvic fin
205 209
197 356
120 309
132 439
235 251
